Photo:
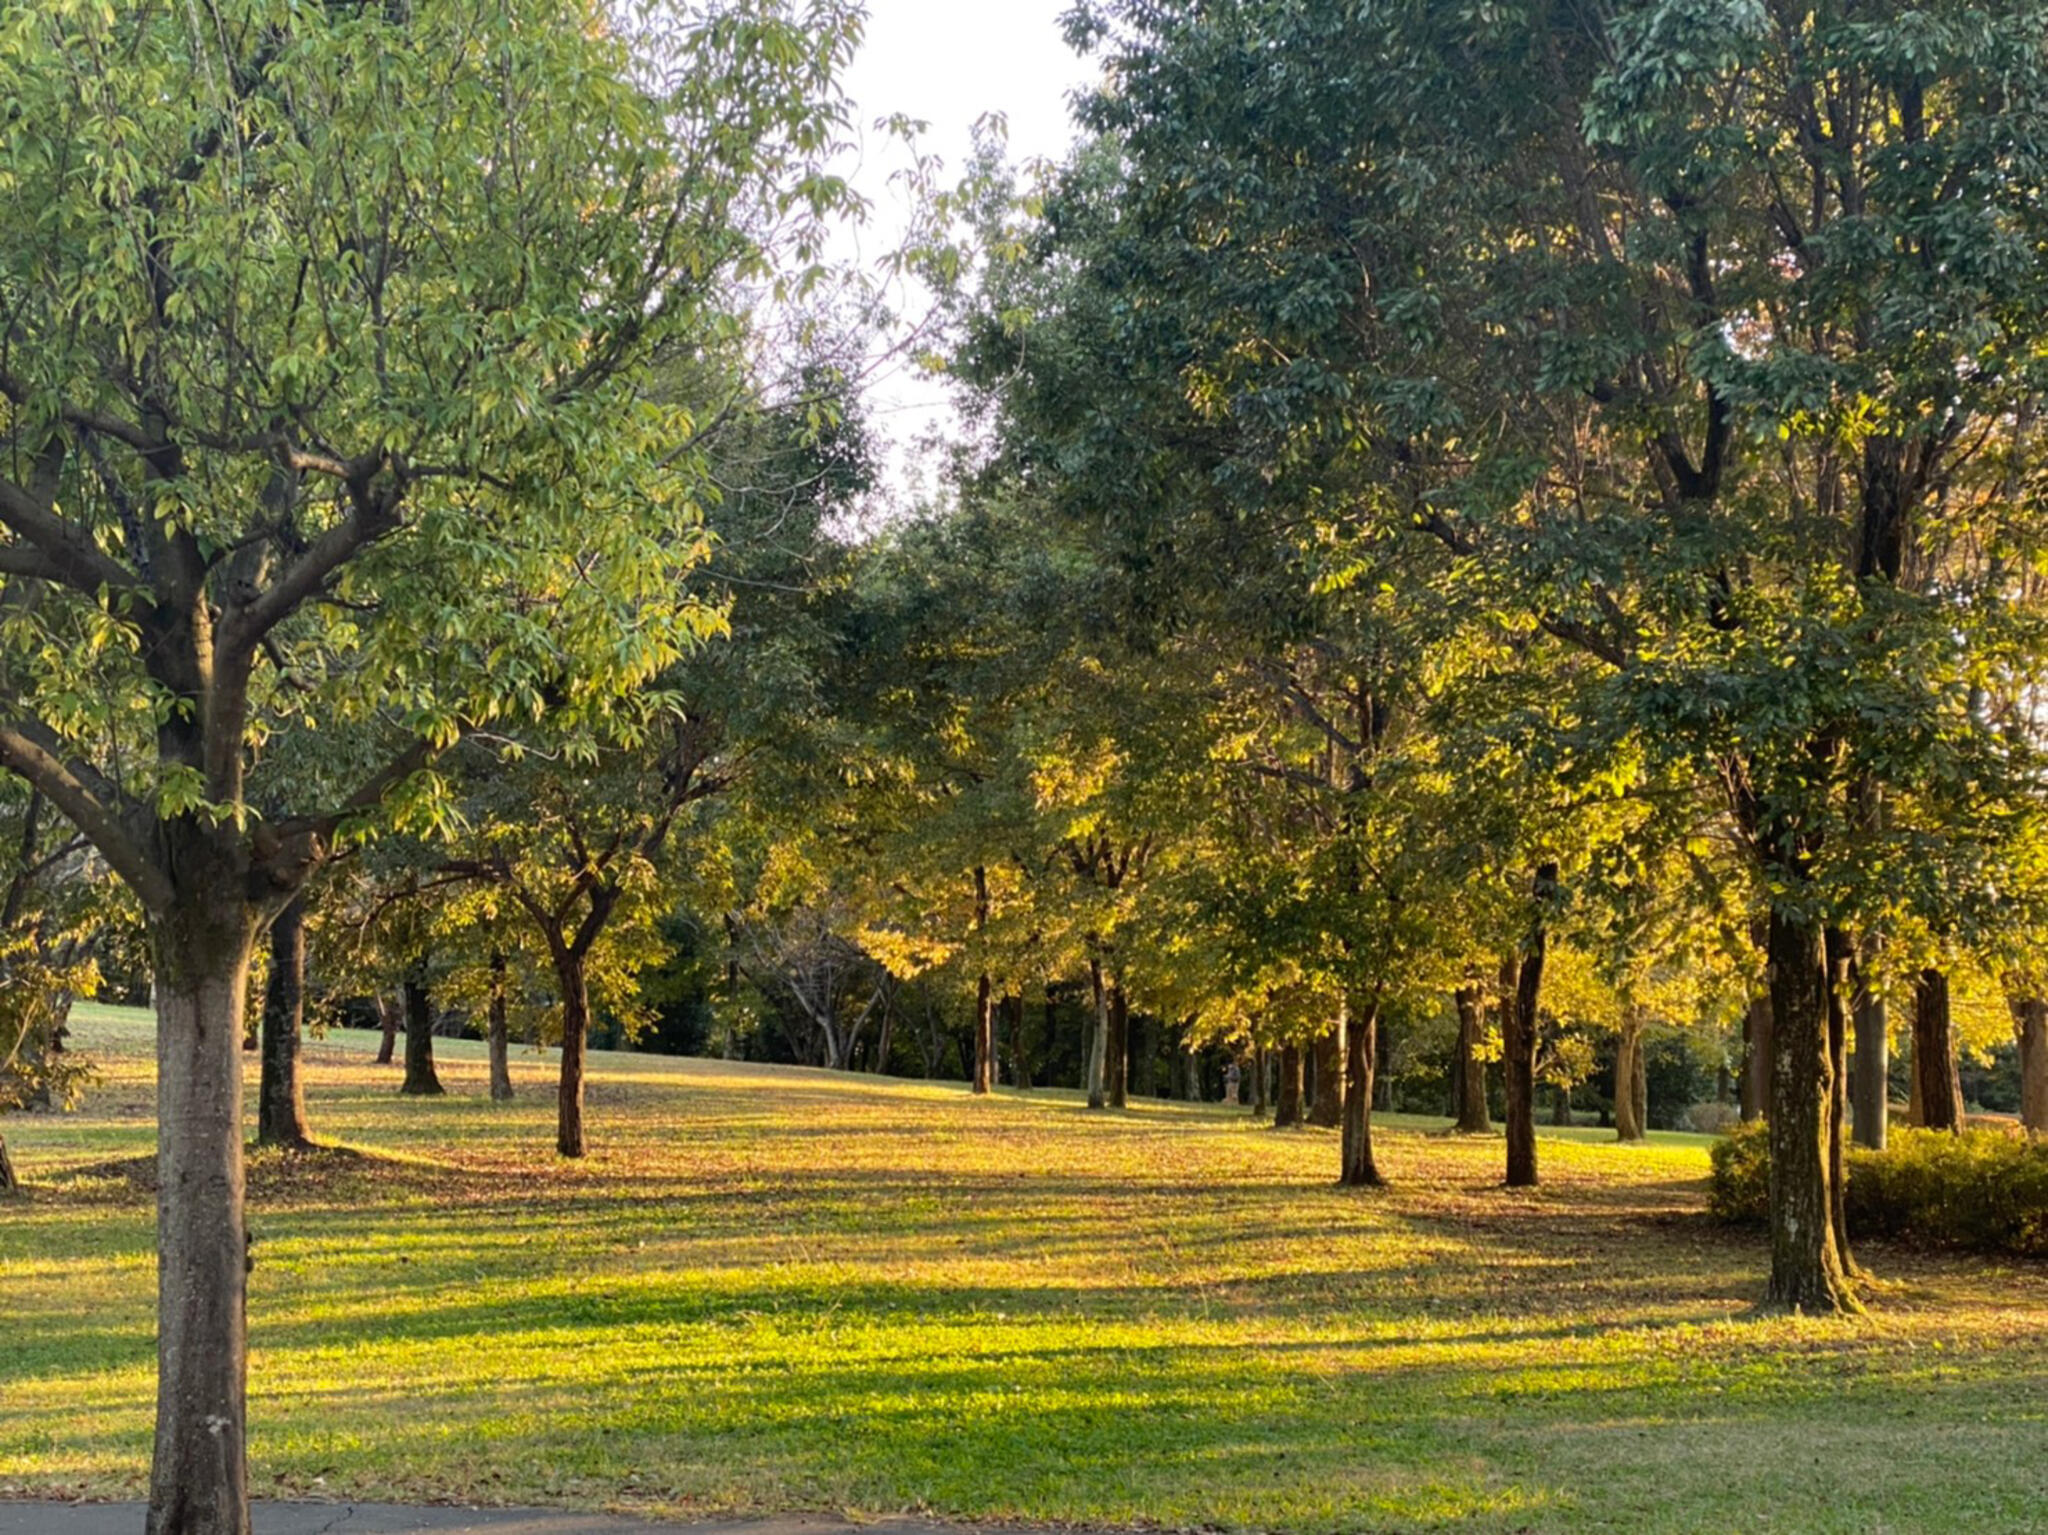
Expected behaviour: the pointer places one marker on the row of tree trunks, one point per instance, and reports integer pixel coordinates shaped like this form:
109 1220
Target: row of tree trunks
1468 1075
1937 1086
280 1097
1359 1030
1287 1105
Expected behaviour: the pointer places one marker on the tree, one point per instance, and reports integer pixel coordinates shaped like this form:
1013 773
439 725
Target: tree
1705 337
286 450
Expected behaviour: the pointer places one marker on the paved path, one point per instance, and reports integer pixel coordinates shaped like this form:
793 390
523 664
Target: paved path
383 1519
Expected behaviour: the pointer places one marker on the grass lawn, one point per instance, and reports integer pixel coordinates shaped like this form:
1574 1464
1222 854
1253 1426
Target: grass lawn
777 1289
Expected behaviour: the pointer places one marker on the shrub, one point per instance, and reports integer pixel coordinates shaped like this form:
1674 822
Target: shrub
1981 1191
1710 1118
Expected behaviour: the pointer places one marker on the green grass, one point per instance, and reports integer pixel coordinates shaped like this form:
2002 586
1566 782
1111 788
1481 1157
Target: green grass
779 1289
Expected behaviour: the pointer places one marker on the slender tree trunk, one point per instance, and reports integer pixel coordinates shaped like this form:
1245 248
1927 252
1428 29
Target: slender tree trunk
391 1014
1119 1047
1934 1054
1469 1072
1327 1107
1628 1059
8 1182
1839 952
1098 1038
984 1035
500 1033
281 1096
1258 1082
1870 1100
1561 1106
1361 1045
421 1080
2031 1026
1287 1101
1807 1272
572 977
1757 1032
1520 1004
199 1474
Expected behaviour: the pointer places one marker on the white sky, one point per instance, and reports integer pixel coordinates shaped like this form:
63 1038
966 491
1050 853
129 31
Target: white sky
949 63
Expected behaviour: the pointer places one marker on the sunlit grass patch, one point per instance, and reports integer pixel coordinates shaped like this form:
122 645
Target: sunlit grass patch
773 1289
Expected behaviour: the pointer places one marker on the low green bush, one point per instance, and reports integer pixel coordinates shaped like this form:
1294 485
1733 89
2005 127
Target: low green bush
1981 1191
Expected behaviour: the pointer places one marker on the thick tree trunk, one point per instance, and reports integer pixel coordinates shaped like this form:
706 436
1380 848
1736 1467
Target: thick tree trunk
391 1014
1521 996
1756 1058
1628 1062
1468 1072
2030 1024
572 976
984 1035
1327 1107
421 1080
1358 1168
281 1097
1934 1054
1871 1090
199 1475
500 1033
1119 1048
1807 1271
1287 1101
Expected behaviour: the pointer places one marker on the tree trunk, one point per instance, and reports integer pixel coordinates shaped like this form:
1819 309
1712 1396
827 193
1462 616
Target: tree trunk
1287 1101
281 1097
391 1014
1468 1073
1098 1038
1258 1082
2031 1025
1934 1054
1327 1107
199 1473
1807 1272
421 1080
1839 953
571 975
500 1033
1628 1062
8 1182
1360 1045
1757 1032
984 1035
1519 1005
1119 1047
1871 1094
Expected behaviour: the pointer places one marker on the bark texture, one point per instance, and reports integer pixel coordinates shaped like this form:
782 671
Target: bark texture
421 1079
1327 1106
199 1474
1807 1270
572 976
1358 1168
1287 1099
500 1033
1939 1087
1870 1092
281 1097
1469 1071
2030 1024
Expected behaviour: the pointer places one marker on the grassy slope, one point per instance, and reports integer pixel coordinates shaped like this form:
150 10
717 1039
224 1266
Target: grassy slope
774 1288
